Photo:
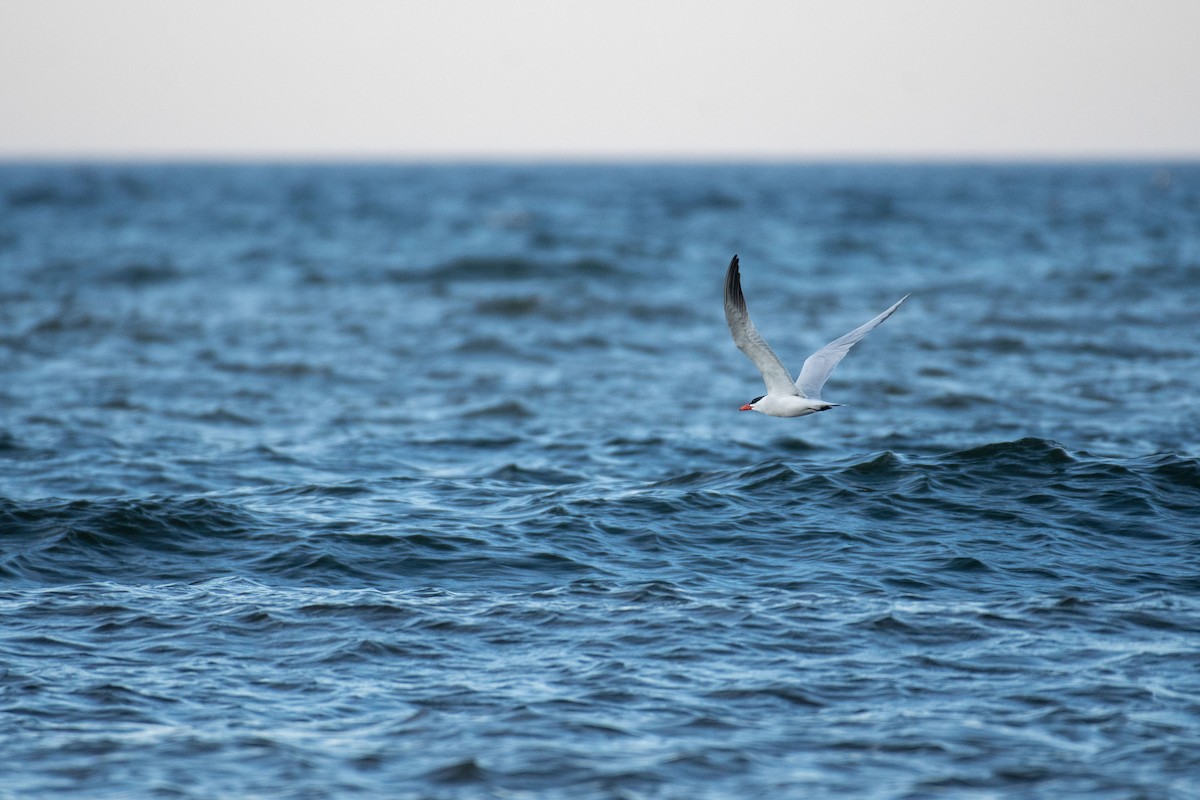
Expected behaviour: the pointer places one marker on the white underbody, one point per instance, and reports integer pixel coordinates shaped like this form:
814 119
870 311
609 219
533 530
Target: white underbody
789 405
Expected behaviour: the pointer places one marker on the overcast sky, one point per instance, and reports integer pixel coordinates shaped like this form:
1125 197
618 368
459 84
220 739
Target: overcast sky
610 78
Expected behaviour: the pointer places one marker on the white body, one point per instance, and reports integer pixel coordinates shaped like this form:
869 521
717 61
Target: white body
785 397
788 405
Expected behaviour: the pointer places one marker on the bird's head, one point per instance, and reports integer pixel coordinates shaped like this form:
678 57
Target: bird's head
751 405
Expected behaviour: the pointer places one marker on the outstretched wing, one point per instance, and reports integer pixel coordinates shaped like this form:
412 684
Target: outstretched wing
748 340
817 367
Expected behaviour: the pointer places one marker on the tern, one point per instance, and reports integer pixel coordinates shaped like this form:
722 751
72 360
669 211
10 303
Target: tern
784 397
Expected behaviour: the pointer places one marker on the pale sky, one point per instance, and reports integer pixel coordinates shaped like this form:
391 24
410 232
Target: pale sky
602 79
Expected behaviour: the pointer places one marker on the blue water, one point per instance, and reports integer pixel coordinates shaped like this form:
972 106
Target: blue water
429 482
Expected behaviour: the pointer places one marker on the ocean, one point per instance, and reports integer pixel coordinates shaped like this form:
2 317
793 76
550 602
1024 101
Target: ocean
429 481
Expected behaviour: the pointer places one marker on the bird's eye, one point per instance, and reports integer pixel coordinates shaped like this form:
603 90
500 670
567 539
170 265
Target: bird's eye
755 400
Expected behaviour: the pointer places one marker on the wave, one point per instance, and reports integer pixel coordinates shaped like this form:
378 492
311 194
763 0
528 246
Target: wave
514 306
508 268
509 409
1016 511
87 539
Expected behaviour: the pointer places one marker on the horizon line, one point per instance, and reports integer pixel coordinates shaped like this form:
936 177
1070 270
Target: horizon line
590 157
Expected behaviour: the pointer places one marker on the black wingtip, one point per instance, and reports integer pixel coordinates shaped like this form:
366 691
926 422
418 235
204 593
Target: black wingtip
733 285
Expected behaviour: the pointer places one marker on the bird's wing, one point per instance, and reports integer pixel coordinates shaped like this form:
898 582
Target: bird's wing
817 367
748 340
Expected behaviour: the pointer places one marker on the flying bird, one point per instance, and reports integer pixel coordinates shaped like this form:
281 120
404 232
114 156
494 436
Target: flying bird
785 398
